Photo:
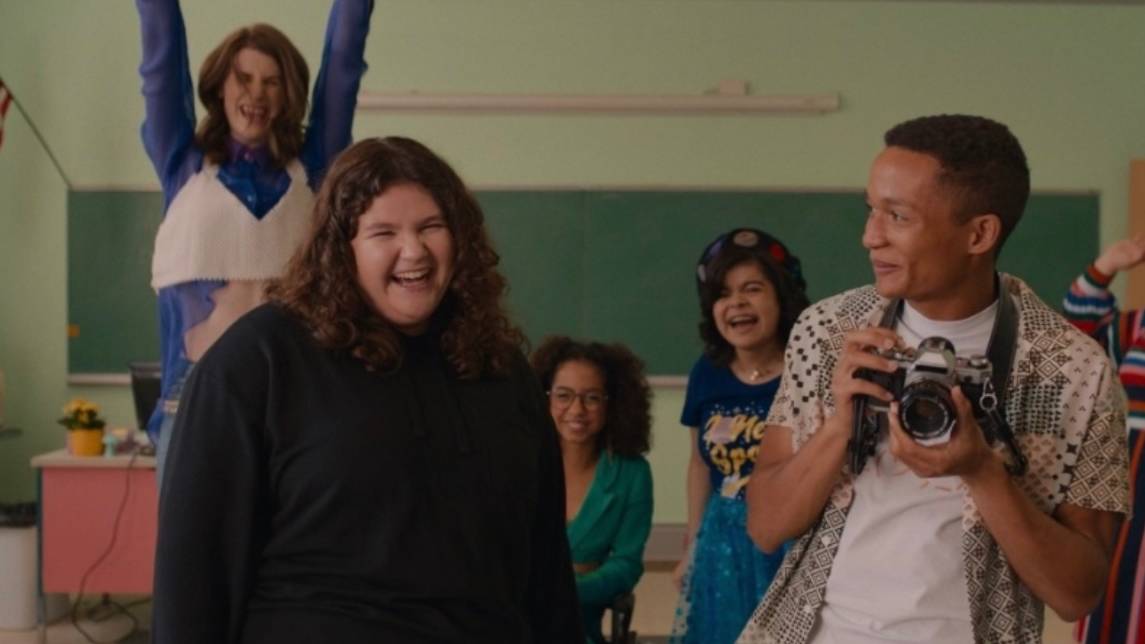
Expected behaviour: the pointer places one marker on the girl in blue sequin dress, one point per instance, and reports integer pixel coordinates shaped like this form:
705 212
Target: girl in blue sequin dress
751 291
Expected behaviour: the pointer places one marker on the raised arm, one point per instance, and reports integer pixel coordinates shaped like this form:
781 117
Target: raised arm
169 100
336 87
625 563
1090 306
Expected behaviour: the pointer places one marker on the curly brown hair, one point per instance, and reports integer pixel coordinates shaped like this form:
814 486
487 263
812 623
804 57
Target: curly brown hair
321 283
287 134
628 418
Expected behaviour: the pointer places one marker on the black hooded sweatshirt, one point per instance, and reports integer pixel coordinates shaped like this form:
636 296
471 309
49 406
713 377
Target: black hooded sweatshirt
310 499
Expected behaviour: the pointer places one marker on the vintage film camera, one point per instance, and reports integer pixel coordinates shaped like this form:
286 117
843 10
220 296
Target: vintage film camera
922 385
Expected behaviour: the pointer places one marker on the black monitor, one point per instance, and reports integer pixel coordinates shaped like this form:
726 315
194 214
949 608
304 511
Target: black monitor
144 389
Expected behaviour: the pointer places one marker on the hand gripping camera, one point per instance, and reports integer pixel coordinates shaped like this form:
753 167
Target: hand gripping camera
922 384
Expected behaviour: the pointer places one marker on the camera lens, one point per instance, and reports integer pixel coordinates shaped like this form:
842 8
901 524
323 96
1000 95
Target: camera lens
926 410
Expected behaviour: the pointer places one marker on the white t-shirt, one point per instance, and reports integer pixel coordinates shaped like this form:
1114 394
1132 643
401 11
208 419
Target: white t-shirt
898 575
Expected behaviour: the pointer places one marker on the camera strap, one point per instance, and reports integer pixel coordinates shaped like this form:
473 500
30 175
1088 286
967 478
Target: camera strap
987 399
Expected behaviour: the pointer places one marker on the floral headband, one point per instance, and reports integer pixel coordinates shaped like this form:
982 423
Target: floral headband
757 241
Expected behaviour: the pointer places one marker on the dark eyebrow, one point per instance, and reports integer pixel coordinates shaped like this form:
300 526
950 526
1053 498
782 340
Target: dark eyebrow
590 390
385 225
376 225
890 201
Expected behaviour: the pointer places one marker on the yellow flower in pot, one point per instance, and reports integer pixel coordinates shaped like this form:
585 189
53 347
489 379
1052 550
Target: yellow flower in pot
85 428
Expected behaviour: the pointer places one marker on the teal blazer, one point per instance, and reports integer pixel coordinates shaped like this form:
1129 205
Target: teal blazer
610 529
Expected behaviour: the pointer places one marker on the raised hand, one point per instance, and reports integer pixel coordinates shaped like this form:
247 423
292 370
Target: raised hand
856 354
1124 254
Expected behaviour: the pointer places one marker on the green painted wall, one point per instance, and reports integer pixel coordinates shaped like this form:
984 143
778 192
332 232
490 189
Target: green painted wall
1066 78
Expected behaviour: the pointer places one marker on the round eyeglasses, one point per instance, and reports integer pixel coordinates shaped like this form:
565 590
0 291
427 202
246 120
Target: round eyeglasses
562 398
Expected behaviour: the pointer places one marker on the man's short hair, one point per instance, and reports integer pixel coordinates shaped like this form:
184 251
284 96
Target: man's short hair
982 163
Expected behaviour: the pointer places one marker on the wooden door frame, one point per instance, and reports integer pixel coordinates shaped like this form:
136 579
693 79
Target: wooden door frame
1135 289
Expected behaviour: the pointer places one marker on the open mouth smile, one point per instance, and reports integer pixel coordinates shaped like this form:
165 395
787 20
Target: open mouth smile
742 321
259 114
414 278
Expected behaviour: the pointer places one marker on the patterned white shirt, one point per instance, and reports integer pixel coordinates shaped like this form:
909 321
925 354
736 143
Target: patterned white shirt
1064 405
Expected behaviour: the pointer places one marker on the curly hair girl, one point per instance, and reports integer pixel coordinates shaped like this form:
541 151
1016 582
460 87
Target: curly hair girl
628 421
321 284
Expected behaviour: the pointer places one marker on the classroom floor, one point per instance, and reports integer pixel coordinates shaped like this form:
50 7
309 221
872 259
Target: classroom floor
655 606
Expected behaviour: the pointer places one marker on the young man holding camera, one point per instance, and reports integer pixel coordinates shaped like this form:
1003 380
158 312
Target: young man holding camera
965 537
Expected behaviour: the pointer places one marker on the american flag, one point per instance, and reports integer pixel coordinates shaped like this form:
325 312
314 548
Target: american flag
5 101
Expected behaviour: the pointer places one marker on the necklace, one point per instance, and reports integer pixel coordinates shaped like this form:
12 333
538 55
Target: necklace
764 372
770 366
756 374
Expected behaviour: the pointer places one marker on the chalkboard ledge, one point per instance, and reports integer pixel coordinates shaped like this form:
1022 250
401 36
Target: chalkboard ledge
124 379
98 379
668 382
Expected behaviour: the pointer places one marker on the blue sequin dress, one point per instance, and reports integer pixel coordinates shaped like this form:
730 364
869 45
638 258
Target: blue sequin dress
727 575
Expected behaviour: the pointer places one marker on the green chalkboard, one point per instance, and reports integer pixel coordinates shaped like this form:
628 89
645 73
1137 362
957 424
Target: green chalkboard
606 264
111 308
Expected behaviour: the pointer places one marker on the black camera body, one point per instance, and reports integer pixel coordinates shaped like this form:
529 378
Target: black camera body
921 384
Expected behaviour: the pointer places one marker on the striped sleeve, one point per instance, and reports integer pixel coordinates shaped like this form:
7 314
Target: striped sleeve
1090 307
1132 374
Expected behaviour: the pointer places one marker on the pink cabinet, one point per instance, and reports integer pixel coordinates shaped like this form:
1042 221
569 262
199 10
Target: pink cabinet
97 518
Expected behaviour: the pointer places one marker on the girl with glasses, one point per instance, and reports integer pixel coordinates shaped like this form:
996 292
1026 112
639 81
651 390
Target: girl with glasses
751 291
599 401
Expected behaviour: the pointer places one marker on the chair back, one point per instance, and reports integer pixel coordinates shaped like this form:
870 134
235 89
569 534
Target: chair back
622 609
